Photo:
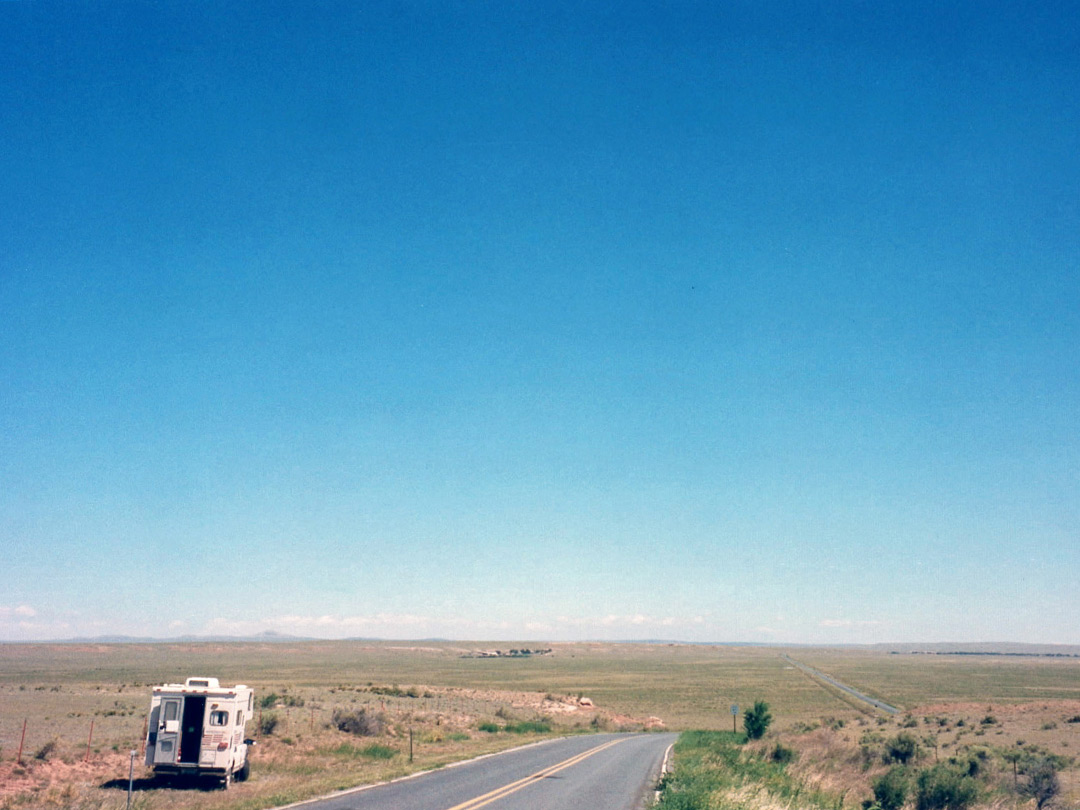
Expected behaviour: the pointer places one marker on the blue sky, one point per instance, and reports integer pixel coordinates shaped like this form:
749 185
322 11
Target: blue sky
709 321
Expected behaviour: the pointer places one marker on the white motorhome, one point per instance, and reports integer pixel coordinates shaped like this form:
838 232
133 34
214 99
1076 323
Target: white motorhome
197 729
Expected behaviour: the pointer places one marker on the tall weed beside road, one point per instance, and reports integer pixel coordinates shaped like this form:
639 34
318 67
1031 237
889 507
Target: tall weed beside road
714 770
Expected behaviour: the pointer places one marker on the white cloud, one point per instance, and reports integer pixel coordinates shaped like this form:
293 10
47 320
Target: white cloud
8 613
24 623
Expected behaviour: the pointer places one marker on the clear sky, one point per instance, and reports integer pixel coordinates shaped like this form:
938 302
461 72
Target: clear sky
713 321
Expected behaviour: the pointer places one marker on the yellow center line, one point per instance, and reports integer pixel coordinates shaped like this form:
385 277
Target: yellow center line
513 787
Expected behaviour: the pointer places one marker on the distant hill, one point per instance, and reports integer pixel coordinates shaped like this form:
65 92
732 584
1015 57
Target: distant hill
266 637
984 648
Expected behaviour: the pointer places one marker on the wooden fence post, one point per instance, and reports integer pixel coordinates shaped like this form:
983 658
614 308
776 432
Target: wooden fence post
22 739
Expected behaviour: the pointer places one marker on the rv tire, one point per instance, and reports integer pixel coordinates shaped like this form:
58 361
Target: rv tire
244 772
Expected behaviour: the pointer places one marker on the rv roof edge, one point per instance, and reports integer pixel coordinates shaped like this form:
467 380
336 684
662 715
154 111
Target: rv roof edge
205 683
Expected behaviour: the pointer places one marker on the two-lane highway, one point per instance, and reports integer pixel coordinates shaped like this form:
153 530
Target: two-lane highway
597 772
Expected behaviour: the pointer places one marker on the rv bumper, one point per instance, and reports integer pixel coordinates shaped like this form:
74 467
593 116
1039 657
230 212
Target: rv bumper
189 770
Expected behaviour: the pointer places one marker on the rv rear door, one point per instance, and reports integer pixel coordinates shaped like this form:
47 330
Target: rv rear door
168 731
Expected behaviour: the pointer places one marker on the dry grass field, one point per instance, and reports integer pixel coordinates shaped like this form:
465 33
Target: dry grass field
446 700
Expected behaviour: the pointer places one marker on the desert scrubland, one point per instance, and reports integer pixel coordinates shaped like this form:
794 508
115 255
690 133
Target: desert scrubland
453 704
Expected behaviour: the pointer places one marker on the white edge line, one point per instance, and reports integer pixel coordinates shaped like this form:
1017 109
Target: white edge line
361 788
666 766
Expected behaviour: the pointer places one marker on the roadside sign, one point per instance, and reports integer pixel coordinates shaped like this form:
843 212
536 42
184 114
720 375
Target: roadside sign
734 708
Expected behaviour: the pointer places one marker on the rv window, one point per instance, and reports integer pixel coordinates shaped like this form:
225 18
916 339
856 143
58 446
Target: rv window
239 718
170 710
219 718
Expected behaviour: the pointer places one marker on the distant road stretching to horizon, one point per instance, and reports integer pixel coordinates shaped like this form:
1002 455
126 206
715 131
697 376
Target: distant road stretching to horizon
813 673
597 771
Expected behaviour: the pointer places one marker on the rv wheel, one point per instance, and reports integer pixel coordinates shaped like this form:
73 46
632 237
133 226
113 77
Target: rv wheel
227 781
244 772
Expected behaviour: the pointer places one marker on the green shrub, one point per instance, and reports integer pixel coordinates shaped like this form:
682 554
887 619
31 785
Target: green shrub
943 787
267 723
890 789
756 720
971 762
782 754
489 727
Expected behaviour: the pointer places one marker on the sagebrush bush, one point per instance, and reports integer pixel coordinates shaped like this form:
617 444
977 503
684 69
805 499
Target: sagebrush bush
267 723
1040 781
274 699
360 722
902 748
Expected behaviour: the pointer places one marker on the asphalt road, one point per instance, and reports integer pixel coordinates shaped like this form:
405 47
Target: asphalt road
877 704
598 772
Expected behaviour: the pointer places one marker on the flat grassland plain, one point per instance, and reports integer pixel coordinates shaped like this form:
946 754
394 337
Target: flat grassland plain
455 705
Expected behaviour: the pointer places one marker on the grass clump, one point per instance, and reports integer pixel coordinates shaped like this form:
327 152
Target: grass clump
529 727
350 751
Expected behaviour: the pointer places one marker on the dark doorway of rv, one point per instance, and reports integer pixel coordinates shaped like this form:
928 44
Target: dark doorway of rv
191 729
